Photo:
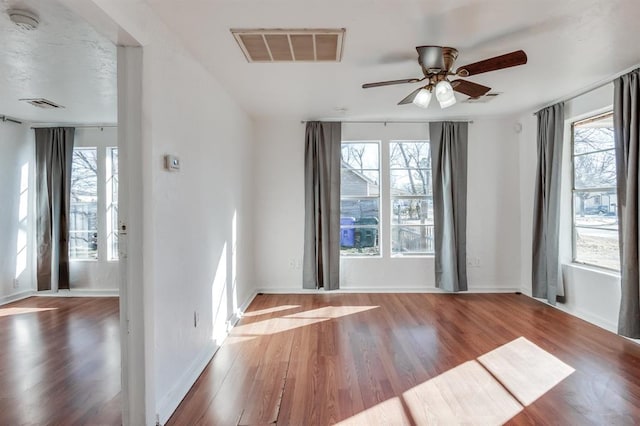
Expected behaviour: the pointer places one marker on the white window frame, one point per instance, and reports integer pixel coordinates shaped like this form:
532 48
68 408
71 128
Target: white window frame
412 197
574 258
385 200
104 198
378 143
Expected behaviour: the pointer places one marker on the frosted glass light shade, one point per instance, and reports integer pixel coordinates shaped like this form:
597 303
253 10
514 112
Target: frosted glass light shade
423 98
444 93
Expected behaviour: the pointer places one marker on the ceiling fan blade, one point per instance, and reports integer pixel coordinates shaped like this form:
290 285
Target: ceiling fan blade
410 97
470 89
492 64
390 82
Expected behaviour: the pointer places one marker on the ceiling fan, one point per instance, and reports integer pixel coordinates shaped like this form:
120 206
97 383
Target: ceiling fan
437 66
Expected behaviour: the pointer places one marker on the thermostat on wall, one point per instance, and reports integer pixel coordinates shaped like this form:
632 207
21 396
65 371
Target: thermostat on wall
171 163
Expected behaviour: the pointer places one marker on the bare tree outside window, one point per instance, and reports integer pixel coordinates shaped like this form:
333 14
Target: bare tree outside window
360 199
595 232
411 198
83 217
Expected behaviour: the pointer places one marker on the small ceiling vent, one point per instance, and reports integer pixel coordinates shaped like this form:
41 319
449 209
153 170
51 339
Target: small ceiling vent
42 103
482 99
290 45
23 19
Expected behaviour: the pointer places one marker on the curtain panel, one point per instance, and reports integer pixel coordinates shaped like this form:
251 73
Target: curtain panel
54 155
321 262
546 271
448 142
626 123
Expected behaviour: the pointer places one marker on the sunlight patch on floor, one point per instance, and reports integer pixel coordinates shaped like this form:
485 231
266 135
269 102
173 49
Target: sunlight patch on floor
489 391
466 394
525 369
5 312
299 319
389 412
270 310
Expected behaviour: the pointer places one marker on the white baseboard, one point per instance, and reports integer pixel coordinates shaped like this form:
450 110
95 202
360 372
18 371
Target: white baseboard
588 317
80 292
285 290
16 296
174 397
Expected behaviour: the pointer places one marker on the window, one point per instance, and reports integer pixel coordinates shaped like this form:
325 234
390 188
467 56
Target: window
360 199
411 198
595 215
83 208
112 203
93 207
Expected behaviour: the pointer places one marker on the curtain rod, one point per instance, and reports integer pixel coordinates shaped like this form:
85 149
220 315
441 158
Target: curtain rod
596 86
385 122
4 118
77 126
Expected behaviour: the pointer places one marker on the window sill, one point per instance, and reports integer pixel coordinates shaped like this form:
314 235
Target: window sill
592 268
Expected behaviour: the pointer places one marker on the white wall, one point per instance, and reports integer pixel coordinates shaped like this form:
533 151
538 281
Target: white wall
16 214
591 293
199 219
101 274
197 256
493 211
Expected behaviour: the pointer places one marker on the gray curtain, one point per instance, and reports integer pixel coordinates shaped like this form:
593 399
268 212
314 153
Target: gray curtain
546 273
449 170
54 155
321 265
626 123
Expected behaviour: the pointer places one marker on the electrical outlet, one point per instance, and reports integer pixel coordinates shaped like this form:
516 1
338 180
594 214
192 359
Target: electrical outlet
196 318
473 262
16 283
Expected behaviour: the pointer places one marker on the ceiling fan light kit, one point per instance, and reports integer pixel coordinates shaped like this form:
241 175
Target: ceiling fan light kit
444 94
422 99
437 63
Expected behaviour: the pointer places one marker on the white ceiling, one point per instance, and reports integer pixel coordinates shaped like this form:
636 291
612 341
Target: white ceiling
571 44
64 60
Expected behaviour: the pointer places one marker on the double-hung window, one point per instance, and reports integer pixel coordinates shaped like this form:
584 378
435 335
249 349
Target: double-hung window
394 174
360 198
93 207
595 214
411 198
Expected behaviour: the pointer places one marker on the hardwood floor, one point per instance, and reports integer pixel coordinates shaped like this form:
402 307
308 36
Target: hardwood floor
365 359
60 361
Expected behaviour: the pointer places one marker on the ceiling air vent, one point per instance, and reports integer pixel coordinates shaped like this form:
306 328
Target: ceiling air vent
42 103
290 45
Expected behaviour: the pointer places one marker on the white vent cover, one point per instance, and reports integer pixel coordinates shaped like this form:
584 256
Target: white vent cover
23 19
42 103
290 45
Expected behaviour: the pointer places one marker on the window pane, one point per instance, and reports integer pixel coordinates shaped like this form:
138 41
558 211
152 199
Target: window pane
112 203
407 211
594 136
596 170
596 209
409 155
411 182
360 156
412 239
597 247
83 220
359 227
356 183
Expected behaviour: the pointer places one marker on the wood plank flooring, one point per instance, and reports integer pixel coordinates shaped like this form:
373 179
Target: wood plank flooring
60 361
361 359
